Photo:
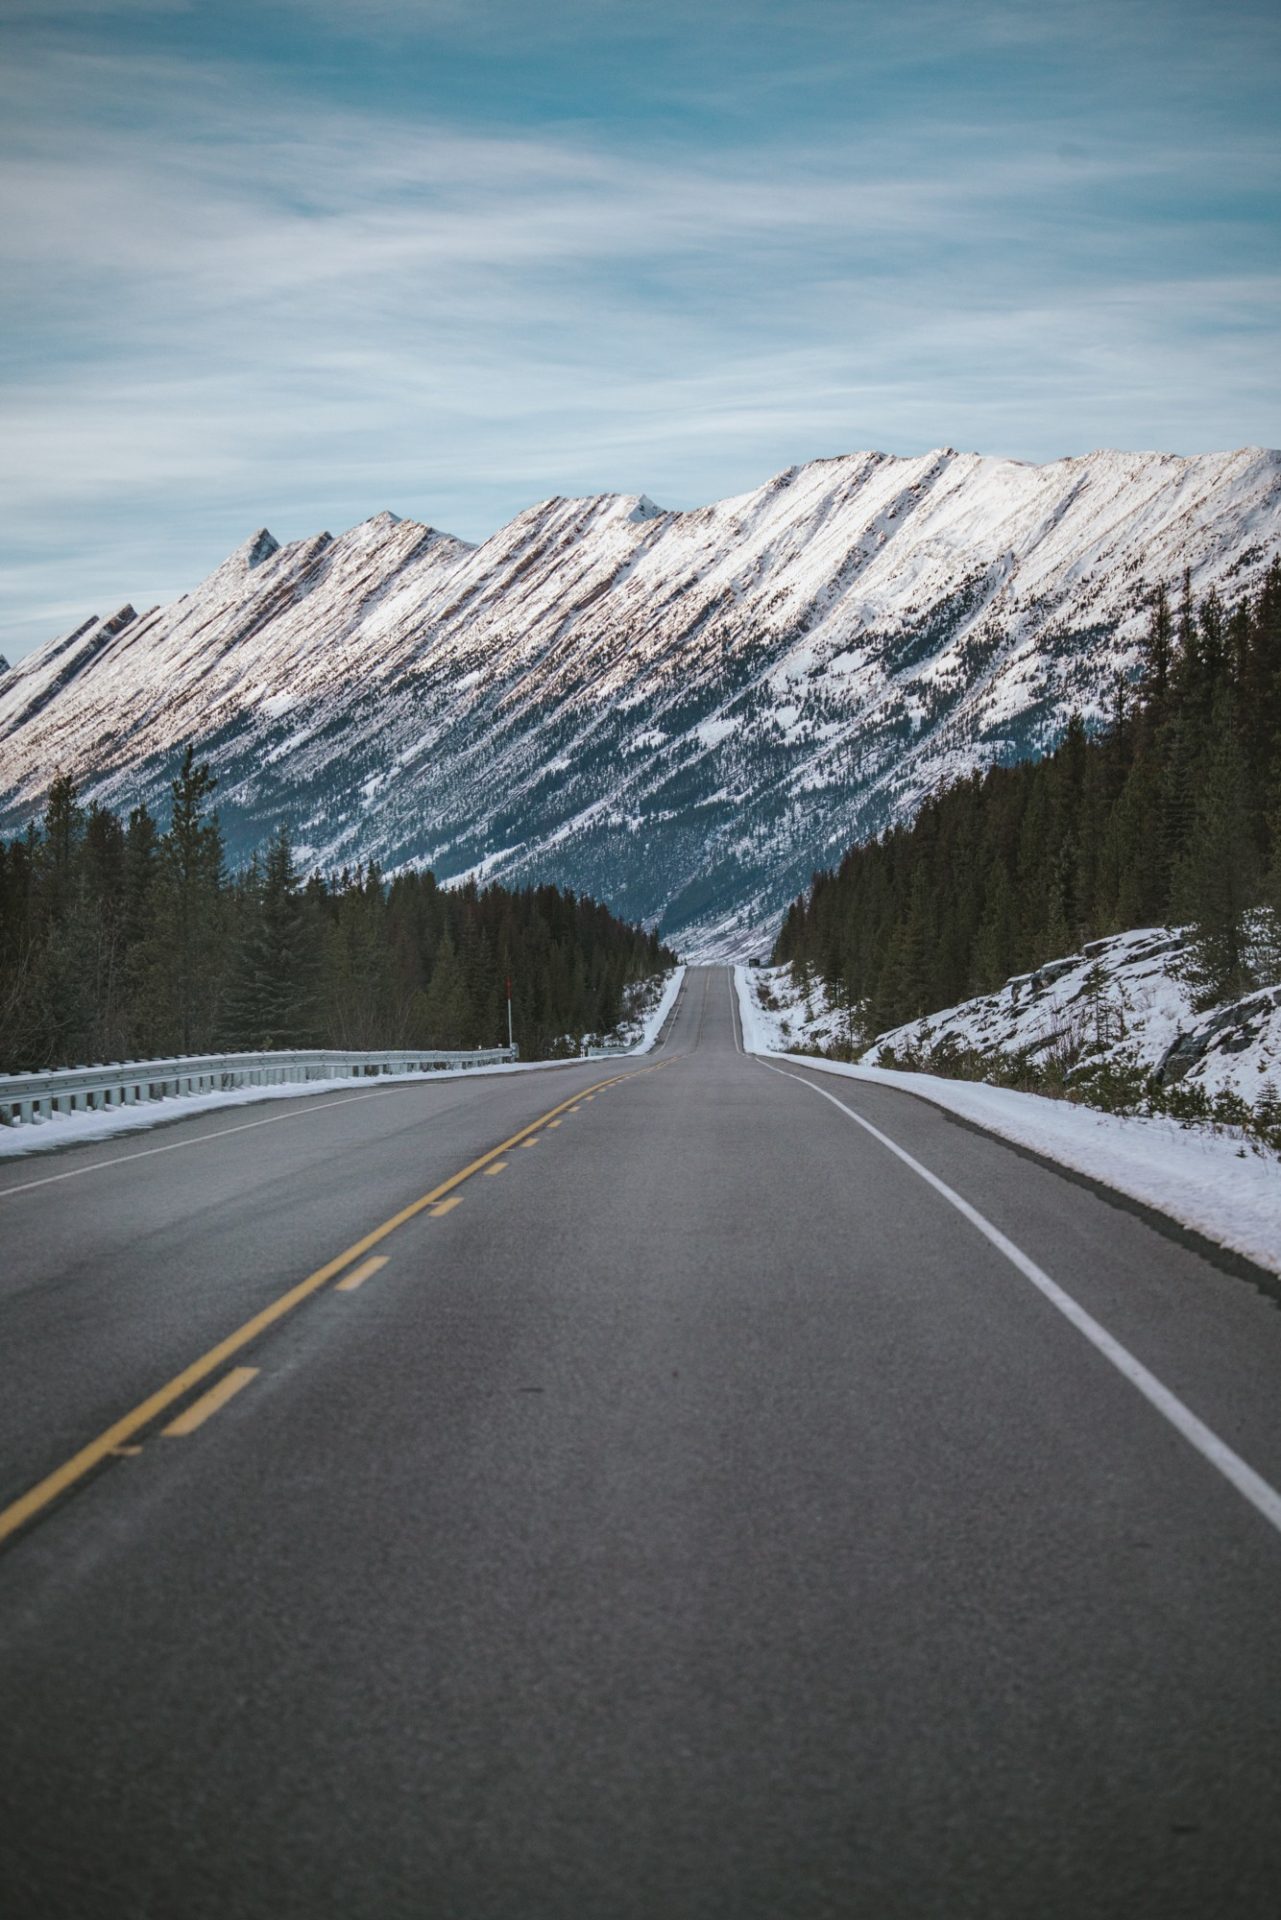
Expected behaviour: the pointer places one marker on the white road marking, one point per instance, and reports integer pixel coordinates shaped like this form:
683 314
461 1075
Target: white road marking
205 1139
1252 1486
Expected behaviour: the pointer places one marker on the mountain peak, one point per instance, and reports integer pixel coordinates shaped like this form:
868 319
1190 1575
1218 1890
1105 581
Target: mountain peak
259 547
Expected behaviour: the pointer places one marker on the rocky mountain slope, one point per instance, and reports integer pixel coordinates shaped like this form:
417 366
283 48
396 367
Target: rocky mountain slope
683 713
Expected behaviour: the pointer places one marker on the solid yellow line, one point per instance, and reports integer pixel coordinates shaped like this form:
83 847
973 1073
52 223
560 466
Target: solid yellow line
447 1206
209 1403
38 1497
358 1276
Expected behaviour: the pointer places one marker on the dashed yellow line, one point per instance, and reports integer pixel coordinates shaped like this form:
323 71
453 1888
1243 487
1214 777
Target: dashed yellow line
209 1403
114 1438
447 1206
358 1275
499 1166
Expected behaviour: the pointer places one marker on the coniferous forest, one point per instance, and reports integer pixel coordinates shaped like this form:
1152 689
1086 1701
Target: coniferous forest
1170 814
123 940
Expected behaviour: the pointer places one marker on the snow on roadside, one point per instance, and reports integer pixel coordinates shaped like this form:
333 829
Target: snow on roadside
788 1018
651 1024
81 1129
1205 1181
1122 1002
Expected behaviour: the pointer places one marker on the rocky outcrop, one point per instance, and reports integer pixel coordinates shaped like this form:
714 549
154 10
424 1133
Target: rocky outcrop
1228 1030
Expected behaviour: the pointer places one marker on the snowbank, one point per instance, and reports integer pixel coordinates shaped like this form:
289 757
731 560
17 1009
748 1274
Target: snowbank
652 1023
1208 1182
1122 1002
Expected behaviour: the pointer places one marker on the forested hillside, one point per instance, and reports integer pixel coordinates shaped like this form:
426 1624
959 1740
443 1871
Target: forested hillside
1172 814
120 940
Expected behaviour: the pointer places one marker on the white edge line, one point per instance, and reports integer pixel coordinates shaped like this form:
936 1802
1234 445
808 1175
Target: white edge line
175 1146
1252 1486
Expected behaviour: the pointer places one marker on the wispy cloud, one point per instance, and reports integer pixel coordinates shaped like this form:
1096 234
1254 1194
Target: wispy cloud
229 302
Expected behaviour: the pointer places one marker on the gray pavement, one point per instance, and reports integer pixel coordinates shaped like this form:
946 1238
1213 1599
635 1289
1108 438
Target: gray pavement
698 1519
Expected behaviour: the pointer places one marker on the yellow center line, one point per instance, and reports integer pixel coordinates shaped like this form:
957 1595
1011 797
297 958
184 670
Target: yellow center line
199 1411
358 1275
25 1508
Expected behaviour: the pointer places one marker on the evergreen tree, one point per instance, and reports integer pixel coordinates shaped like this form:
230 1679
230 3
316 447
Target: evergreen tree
1216 882
271 996
186 957
443 1019
1158 650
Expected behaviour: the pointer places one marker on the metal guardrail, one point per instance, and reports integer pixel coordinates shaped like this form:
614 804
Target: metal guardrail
27 1097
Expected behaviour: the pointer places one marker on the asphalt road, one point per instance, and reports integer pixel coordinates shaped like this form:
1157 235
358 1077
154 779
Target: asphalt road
700 1517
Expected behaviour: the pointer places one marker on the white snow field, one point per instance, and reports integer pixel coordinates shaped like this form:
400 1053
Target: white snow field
1213 1183
79 1129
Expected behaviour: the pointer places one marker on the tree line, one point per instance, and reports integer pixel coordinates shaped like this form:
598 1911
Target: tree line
1170 813
123 940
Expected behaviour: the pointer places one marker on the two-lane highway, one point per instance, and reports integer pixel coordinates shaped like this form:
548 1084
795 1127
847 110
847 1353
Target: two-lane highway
631 1489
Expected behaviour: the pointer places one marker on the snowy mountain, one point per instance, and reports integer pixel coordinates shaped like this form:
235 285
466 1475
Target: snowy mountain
681 712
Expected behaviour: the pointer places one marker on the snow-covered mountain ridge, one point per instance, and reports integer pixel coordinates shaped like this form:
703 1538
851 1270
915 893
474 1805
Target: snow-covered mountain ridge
681 712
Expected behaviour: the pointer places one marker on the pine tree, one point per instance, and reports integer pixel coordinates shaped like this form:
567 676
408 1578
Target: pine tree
271 996
186 958
1158 650
444 1016
1216 880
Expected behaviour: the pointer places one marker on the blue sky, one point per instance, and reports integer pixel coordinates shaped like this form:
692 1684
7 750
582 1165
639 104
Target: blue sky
287 264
